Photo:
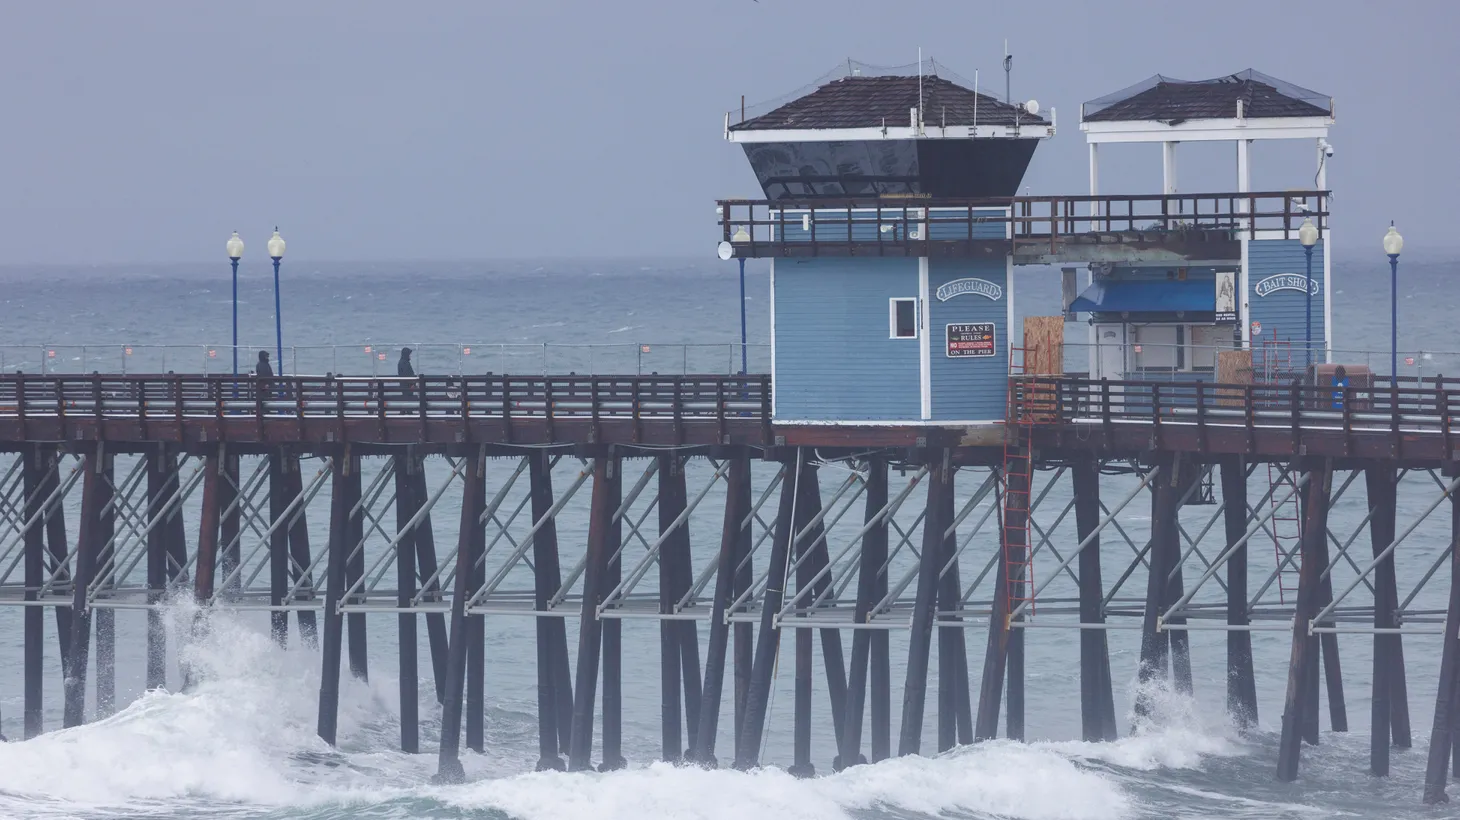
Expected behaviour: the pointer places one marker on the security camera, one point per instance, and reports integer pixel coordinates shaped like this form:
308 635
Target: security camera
1325 147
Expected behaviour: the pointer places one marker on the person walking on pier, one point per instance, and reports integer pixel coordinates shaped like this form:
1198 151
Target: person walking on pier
404 370
263 375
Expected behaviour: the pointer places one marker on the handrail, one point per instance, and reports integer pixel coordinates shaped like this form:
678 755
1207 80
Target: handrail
679 399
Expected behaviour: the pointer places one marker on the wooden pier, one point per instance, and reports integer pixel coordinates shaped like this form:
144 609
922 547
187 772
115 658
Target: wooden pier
810 540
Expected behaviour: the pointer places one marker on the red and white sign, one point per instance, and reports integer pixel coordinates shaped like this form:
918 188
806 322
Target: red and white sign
1257 328
1409 360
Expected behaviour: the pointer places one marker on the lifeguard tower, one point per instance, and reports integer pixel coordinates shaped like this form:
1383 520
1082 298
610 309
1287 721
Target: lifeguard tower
887 223
1155 317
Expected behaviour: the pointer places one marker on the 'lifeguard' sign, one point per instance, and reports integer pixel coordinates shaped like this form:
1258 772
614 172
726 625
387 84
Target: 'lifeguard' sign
975 287
1285 281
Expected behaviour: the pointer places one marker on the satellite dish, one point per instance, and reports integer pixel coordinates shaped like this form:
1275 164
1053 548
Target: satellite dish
1032 107
725 251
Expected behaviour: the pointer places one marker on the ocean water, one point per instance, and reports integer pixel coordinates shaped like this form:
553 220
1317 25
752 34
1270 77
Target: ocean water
242 744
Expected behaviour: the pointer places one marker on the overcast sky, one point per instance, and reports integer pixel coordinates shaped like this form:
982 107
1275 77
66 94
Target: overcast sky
146 131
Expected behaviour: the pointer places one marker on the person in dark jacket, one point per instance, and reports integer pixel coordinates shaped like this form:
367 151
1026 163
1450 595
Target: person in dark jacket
404 370
263 374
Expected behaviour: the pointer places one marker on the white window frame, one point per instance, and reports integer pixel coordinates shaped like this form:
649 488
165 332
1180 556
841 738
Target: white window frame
892 317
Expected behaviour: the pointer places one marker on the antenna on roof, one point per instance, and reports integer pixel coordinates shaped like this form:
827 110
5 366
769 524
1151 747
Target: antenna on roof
920 90
1008 69
851 72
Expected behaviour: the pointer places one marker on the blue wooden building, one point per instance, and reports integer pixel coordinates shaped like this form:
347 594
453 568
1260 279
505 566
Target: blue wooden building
889 334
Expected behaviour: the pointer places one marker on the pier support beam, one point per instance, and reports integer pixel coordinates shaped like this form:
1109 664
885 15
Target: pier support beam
34 469
607 483
1241 681
679 640
955 712
232 516
546 579
56 545
299 552
732 551
1389 706
613 757
279 499
471 543
425 538
1097 696
95 495
1155 643
939 515
407 503
767 646
1303 661
106 619
812 556
1012 544
359 652
344 472
1447 696
873 556
161 484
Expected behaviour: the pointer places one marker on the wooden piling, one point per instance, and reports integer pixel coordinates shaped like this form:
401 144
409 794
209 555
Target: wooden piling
1447 696
470 542
767 645
1097 696
93 498
1241 681
544 552
299 552
744 631
56 546
606 499
681 577
737 508
955 722
33 469
672 502
161 467
1389 706
808 507
476 636
229 523
1304 655
814 555
407 503
106 618
359 653
873 556
279 498
996 650
920 636
1155 642
425 539
340 503
613 758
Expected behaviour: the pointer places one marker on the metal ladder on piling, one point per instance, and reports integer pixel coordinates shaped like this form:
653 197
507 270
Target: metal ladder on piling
1028 404
1287 530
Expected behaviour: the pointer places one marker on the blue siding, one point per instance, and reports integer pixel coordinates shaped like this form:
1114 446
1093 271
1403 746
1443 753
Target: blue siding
1282 312
834 360
969 389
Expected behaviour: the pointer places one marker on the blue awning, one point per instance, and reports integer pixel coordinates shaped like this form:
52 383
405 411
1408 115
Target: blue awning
1147 297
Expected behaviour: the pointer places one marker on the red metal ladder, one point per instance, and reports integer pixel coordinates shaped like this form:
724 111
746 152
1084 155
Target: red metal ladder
1287 530
1027 404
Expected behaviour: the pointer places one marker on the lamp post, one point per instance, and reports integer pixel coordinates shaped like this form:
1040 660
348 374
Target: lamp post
1308 237
741 235
1393 244
276 253
235 252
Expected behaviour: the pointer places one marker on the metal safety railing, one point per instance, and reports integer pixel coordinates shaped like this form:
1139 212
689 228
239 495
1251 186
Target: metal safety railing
171 396
379 359
927 226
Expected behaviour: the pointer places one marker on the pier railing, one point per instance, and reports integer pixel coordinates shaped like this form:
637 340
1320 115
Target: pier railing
911 226
215 404
1407 414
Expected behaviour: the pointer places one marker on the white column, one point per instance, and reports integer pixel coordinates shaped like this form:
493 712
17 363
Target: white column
1244 172
1168 166
1322 168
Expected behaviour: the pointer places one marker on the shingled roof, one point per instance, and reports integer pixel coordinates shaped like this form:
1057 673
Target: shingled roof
1165 99
871 102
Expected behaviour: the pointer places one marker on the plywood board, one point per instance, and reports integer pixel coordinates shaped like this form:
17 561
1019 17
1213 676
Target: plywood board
1233 367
